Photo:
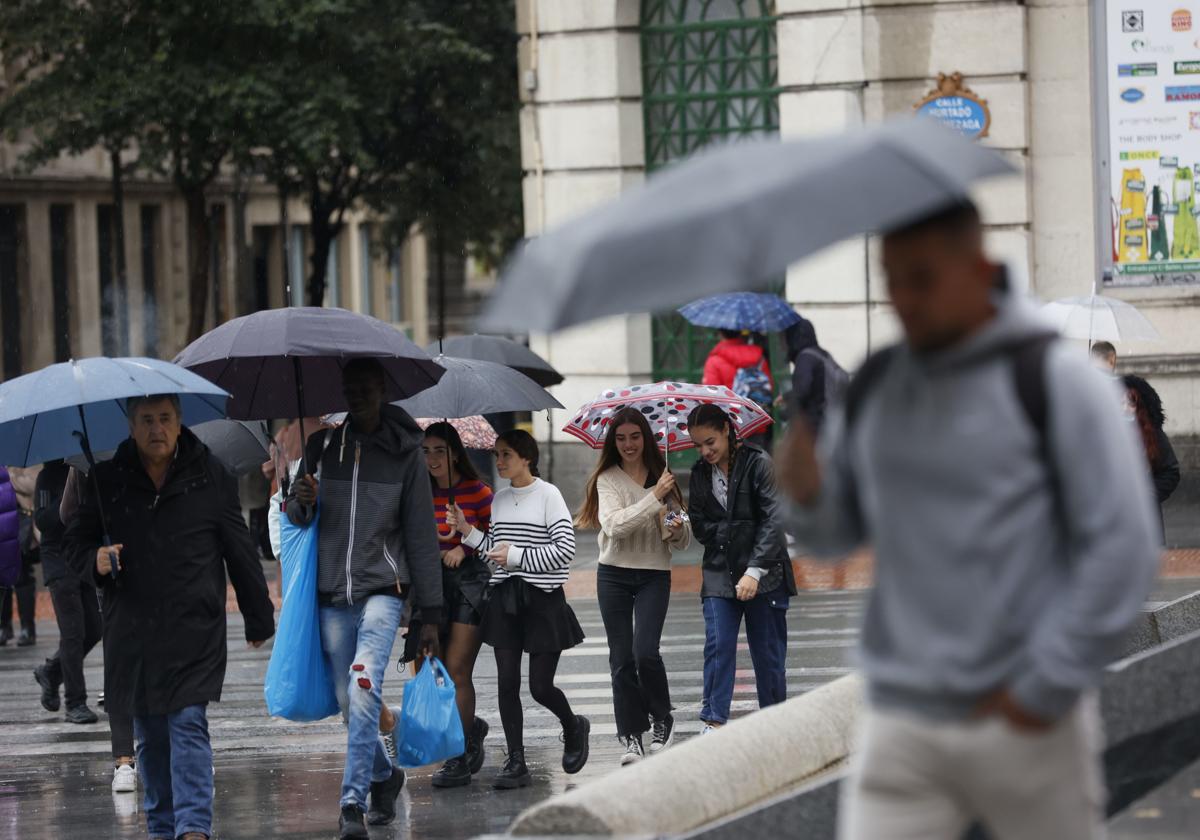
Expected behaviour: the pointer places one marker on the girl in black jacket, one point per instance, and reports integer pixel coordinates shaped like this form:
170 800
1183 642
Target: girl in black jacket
735 514
1145 409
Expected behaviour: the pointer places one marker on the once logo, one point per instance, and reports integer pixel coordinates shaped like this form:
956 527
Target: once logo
1181 20
1133 94
1133 21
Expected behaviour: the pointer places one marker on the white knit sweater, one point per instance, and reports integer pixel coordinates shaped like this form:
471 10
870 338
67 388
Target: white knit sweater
632 534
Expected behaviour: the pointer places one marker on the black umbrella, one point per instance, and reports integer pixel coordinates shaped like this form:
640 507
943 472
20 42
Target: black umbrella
472 386
493 348
241 446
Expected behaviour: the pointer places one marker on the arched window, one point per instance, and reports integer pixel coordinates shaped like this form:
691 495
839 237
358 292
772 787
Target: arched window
709 73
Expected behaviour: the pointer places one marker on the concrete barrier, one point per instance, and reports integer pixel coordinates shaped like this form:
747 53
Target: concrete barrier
1163 624
771 752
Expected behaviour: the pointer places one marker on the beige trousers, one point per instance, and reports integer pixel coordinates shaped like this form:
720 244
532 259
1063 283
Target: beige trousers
915 780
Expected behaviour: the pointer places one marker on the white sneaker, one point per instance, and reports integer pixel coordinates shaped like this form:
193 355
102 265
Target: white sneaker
708 727
125 779
633 751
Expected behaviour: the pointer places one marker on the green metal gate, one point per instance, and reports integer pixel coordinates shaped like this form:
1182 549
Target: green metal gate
709 73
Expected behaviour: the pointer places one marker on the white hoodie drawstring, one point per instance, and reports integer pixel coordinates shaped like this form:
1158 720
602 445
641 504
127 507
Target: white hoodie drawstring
342 448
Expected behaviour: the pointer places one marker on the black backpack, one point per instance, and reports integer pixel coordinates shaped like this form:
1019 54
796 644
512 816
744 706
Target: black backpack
1029 377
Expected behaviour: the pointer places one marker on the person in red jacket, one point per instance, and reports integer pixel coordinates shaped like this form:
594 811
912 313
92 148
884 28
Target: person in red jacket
732 353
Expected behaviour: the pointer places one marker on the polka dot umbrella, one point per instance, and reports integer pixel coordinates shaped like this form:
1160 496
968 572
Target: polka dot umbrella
666 406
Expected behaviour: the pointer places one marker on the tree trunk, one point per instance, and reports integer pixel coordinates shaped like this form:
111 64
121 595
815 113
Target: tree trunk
121 304
323 233
199 257
243 271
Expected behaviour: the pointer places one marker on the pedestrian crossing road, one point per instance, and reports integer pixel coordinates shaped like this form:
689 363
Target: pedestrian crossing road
275 778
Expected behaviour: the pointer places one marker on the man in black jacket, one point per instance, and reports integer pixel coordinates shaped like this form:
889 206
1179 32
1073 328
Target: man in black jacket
377 541
173 514
76 608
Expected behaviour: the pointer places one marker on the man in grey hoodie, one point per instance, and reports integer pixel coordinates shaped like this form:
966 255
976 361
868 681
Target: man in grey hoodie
377 547
1004 580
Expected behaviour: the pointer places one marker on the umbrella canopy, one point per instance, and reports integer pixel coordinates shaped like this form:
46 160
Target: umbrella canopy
729 219
1100 318
240 446
666 406
494 348
472 387
43 415
755 312
279 362
476 432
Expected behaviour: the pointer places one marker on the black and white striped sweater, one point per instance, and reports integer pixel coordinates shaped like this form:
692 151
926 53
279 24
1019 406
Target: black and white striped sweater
535 521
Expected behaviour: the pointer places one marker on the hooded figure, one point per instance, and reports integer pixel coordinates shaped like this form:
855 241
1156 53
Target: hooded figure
732 353
1145 409
816 377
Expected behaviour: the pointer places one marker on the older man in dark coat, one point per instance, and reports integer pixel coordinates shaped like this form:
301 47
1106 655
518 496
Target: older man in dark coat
176 525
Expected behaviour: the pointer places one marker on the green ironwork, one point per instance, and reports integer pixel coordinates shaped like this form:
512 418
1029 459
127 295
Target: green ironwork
709 73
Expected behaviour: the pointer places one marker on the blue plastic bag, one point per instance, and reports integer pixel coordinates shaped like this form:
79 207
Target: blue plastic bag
430 728
298 685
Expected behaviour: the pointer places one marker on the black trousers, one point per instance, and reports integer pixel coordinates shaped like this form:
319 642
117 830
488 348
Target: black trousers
80 628
26 591
633 604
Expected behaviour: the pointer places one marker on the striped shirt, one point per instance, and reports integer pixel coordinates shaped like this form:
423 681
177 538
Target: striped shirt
536 523
475 499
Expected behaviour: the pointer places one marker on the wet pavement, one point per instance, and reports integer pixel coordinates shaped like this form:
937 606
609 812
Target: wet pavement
279 779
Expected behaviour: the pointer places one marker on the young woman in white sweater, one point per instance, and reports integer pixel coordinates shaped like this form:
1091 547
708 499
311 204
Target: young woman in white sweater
531 545
628 498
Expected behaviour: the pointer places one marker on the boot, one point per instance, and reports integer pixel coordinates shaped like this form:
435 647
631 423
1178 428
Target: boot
454 773
475 752
350 824
51 702
575 745
383 798
514 774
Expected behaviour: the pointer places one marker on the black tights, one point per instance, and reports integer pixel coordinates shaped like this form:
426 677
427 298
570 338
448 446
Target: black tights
541 685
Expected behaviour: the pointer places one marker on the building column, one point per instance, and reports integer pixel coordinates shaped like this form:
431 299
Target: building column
86 337
37 299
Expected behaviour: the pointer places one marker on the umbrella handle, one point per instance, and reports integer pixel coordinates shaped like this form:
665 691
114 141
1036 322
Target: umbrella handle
86 447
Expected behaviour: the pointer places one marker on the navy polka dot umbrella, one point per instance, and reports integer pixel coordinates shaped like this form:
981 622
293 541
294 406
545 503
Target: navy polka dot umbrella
666 406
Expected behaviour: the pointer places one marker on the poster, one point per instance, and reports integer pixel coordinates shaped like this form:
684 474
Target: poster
1153 99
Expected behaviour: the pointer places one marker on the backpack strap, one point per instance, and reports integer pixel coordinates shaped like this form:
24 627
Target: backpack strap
1029 375
863 381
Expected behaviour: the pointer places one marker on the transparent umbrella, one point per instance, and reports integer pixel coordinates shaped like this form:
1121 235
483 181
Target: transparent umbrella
1099 318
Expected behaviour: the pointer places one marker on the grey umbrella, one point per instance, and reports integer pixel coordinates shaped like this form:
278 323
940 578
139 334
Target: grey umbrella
729 219
494 348
240 446
471 387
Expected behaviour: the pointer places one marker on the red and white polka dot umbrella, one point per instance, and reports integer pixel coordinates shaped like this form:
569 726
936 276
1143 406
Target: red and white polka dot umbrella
666 406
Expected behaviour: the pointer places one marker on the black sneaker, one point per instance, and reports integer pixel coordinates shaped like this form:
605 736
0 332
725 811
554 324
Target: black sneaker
633 750
475 752
454 773
81 715
383 798
51 702
514 774
27 638
6 635
350 824
664 734
575 745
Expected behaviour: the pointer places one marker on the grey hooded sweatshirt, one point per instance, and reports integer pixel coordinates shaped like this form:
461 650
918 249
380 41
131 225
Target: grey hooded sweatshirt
982 582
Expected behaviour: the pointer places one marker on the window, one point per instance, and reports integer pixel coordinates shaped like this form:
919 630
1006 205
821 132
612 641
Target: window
12 226
114 315
296 270
60 278
149 223
367 289
709 74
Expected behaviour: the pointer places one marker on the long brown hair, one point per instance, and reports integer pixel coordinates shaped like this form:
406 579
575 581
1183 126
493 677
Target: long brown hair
457 454
589 514
1145 424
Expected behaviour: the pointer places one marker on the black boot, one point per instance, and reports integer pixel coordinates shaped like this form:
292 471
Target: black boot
6 635
28 637
475 752
350 824
51 702
575 745
514 774
383 798
454 773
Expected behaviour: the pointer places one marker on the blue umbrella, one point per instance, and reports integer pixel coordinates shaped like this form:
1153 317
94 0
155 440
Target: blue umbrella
49 414
760 313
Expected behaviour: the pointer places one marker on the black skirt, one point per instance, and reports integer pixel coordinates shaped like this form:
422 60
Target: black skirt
520 616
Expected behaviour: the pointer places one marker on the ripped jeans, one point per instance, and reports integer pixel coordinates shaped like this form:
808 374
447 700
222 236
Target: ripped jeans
357 641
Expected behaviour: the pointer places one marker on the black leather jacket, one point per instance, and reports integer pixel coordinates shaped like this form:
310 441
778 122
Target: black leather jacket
749 533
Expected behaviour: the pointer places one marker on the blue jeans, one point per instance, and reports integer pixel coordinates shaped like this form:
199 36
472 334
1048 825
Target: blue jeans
174 757
766 632
357 641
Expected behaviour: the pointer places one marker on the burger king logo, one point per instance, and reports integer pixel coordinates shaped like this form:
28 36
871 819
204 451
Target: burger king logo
1181 20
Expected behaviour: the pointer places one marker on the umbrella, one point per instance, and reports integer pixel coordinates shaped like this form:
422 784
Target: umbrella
751 311
493 348
471 387
476 432
1100 318
666 406
729 219
288 362
48 414
240 446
